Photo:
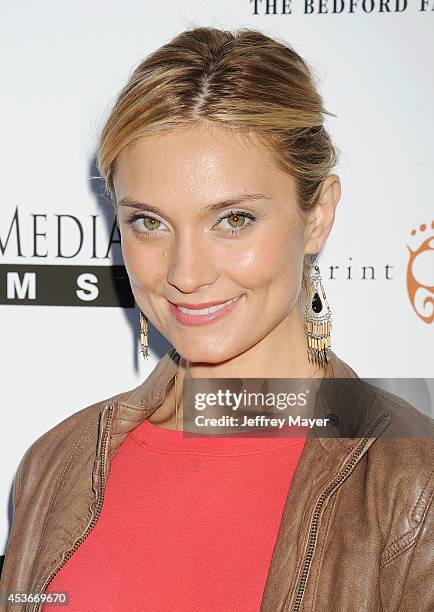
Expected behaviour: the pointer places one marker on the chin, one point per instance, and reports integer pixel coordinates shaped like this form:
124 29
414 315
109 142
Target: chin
195 354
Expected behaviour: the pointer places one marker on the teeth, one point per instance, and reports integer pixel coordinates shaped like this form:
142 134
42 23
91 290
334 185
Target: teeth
204 311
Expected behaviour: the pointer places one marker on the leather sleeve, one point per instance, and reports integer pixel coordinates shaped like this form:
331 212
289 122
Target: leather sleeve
17 483
16 487
418 589
407 568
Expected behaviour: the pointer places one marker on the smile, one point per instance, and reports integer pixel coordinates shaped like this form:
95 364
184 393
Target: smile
202 316
209 310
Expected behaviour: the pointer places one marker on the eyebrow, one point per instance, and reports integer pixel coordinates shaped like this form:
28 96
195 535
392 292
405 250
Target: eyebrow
220 205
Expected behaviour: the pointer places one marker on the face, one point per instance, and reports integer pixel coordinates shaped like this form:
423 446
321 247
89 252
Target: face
206 217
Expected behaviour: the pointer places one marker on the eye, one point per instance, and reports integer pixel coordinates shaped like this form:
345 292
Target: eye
237 221
149 225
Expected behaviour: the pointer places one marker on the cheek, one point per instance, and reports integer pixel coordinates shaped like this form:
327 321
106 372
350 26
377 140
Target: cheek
276 261
145 265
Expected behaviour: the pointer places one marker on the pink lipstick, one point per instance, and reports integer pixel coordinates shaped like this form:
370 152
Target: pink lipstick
205 313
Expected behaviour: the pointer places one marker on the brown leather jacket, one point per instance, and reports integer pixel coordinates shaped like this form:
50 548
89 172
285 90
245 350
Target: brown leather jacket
357 527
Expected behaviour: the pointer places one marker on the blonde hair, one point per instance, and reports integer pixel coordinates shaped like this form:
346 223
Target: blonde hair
243 81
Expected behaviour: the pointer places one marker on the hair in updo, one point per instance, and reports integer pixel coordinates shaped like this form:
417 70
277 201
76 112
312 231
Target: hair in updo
244 81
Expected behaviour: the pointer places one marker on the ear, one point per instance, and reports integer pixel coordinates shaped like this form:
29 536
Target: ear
321 218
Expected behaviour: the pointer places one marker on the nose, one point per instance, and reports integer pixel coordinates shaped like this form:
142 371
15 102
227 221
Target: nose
191 263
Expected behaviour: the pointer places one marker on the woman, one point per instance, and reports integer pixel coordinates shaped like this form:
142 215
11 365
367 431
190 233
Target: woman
219 165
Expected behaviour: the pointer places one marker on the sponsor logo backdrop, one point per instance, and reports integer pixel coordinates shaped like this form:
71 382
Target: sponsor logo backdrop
69 329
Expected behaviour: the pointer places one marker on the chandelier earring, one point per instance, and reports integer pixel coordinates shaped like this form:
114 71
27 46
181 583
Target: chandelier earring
144 348
318 320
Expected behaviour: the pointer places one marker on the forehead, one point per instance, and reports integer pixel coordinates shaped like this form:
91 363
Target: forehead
196 161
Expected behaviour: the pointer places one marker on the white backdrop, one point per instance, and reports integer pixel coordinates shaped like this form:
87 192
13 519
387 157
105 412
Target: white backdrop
62 65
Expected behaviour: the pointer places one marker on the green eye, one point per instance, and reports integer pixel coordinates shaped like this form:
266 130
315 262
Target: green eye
147 226
150 223
237 221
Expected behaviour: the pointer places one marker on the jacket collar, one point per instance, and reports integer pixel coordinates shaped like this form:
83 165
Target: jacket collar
150 394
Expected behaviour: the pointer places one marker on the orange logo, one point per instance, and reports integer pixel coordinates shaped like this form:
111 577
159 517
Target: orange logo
420 274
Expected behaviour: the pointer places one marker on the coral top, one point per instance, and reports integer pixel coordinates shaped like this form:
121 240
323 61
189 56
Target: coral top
187 524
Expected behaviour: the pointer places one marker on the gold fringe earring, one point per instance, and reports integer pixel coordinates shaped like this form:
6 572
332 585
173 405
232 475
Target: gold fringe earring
318 321
144 348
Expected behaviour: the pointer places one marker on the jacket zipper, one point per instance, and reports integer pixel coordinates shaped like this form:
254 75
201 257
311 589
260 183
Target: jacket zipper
313 531
98 507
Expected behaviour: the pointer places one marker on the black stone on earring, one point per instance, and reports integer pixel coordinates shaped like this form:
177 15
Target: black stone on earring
316 303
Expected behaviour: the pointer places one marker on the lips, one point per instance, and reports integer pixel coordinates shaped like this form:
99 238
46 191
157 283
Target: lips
204 315
204 310
200 306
